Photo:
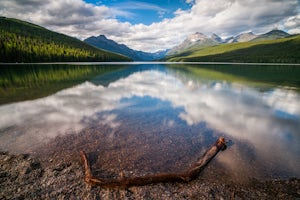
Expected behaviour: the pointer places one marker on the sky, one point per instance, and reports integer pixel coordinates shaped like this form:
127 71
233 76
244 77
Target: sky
159 24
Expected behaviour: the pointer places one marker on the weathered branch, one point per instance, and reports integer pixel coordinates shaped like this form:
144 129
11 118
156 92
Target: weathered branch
184 176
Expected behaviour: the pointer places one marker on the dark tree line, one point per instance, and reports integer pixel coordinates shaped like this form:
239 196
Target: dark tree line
24 42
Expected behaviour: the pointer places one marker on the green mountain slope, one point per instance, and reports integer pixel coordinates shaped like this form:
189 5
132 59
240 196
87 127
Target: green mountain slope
21 41
284 50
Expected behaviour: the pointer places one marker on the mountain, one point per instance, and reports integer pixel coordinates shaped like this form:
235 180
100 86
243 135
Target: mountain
244 37
21 41
196 40
216 38
104 43
274 34
282 50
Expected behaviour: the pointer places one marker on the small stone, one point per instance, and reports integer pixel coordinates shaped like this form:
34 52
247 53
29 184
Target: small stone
59 167
3 152
24 156
26 170
3 174
35 165
7 158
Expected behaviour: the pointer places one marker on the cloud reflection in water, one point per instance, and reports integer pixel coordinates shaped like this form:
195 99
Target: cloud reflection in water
268 121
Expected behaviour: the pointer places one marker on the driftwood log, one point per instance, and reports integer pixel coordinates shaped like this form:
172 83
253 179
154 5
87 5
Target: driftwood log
184 176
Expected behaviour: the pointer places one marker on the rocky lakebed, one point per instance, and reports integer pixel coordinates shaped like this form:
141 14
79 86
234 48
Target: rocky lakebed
55 171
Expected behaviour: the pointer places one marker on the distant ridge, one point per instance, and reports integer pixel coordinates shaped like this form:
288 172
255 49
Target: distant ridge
104 43
274 34
21 41
196 40
244 37
199 40
261 50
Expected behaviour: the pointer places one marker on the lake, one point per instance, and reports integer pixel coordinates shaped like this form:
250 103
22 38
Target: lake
148 118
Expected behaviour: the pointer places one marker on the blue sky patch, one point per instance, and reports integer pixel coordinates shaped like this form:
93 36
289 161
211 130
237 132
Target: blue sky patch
144 11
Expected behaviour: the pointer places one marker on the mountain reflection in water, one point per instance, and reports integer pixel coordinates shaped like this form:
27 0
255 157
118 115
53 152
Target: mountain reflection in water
262 125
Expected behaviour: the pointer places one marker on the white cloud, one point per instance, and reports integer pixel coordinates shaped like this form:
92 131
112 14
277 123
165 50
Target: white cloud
224 17
294 31
293 24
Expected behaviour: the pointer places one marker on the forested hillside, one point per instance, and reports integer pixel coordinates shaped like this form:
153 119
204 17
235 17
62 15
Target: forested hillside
284 50
25 42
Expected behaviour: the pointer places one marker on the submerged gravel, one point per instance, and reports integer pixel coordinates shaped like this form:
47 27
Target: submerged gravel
54 170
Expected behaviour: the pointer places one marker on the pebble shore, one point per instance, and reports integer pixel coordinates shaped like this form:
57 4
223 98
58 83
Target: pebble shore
24 176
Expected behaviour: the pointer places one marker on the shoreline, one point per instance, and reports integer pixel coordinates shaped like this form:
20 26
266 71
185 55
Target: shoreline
150 63
25 176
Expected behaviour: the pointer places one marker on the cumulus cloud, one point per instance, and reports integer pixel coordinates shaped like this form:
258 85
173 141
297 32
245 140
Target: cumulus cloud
224 17
293 24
